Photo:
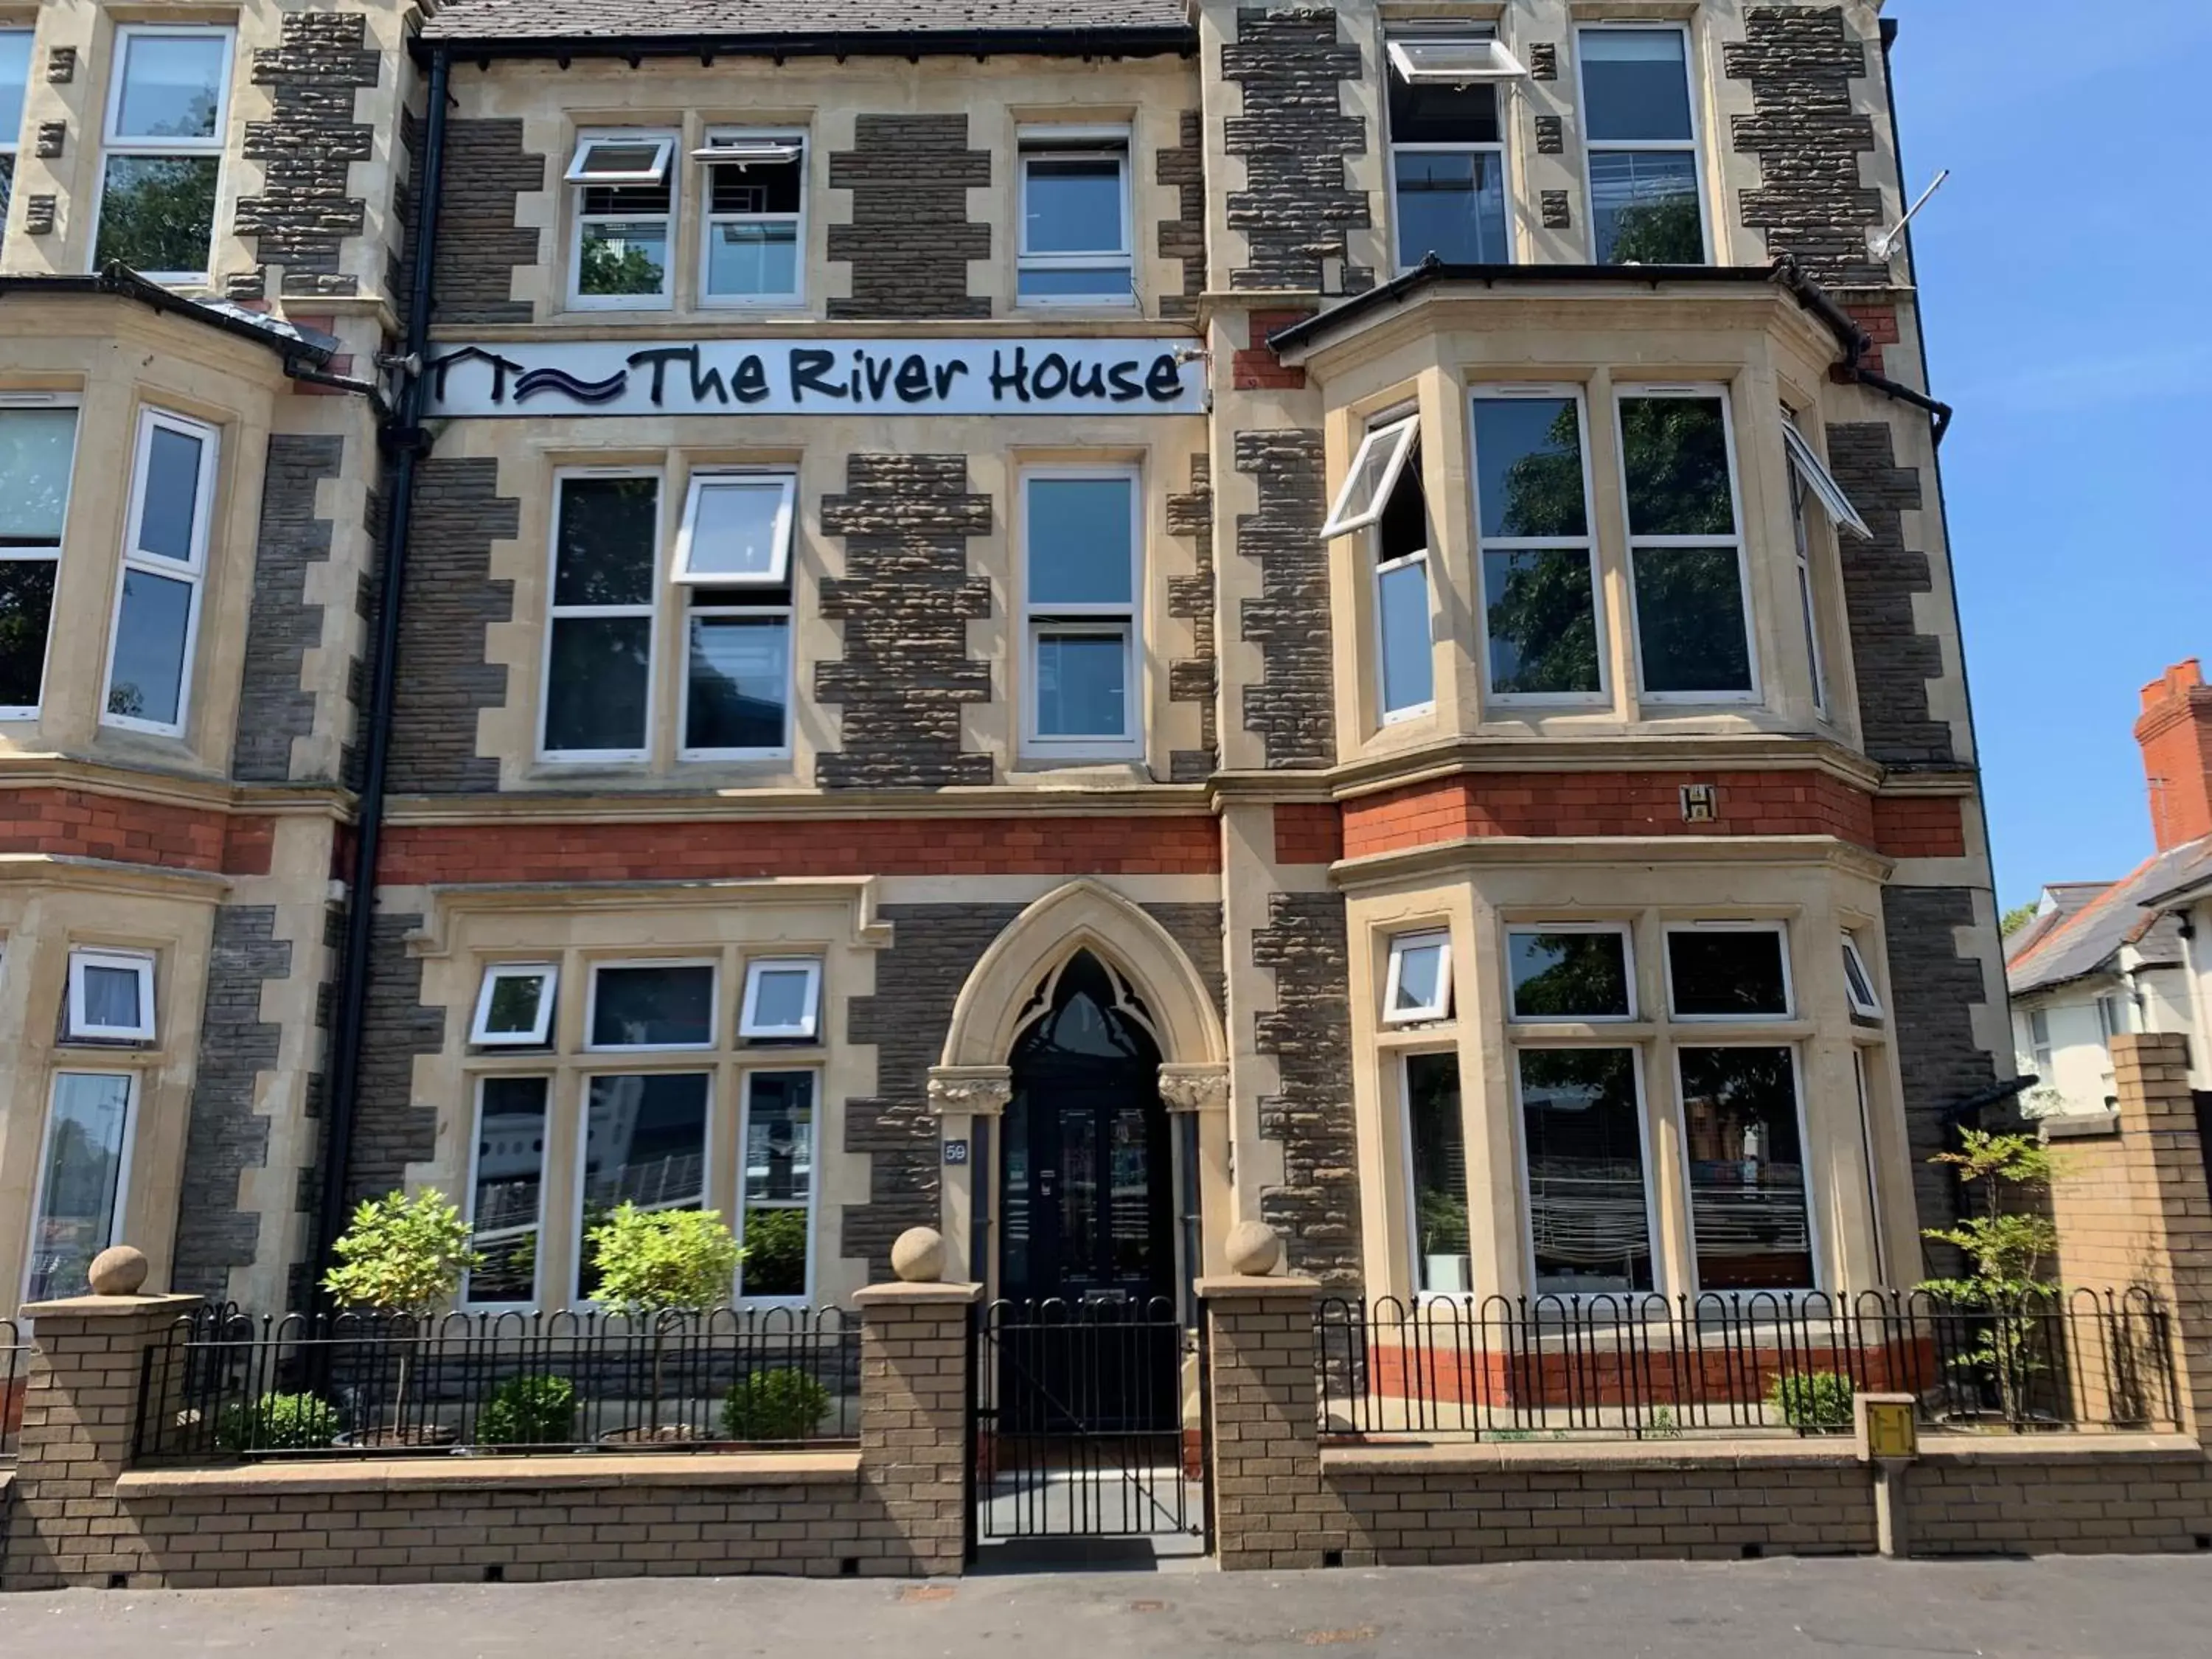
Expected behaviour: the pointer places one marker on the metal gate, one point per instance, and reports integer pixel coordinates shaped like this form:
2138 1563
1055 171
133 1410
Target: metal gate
1080 1422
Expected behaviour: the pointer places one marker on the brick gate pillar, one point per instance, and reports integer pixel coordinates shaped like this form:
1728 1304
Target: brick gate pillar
67 1528
1269 1508
915 1398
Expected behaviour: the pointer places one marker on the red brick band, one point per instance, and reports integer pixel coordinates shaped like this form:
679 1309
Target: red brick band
77 823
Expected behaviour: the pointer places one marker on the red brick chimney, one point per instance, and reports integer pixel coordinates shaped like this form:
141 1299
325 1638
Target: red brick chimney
2175 731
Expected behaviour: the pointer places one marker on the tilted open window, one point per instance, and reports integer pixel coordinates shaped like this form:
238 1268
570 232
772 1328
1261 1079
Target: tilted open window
603 158
514 1009
1374 470
1419 985
1858 983
1822 484
737 530
1455 59
782 999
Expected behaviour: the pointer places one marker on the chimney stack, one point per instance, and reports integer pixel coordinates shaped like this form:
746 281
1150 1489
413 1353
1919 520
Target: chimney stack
2175 731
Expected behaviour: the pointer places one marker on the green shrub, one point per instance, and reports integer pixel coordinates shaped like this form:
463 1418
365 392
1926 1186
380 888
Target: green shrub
278 1422
775 1253
529 1411
1812 1400
779 1405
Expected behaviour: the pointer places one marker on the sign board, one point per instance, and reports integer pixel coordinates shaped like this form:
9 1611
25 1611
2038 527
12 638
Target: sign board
955 1151
1094 376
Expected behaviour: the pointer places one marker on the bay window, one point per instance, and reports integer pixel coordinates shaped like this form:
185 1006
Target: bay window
1685 546
1589 1199
599 642
1075 240
1640 131
168 107
83 1180
506 1189
38 449
1743 1136
623 186
165 529
1448 146
1082 563
1536 558
1811 483
1727 971
752 248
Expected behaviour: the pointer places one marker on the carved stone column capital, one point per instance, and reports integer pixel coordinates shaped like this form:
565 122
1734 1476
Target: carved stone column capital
970 1091
1195 1086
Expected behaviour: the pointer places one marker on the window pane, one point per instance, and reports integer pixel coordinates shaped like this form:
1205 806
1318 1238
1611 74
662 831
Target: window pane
740 679
598 681
1401 598
172 85
1747 1209
783 1000
1420 977
1082 685
514 1004
35 448
77 1190
14 74
1103 281
1727 971
1862 989
26 609
171 506
1543 613
1587 1215
653 1007
1439 112
644 201
510 1174
1644 205
111 998
1452 205
623 258
1529 467
645 1143
752 258
1637 83
1689 620
779 1176
757 188
1675 450
1569 975
157 212
1079 541
1073 204
734 532
604 157
147 680
1438 1143
609 527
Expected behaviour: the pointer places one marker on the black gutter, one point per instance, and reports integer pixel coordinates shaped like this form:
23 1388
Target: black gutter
1180 41
404 439
117 281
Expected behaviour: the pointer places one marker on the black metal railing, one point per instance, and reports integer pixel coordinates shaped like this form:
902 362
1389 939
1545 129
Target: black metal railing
15 1378
225 1385
1651 1367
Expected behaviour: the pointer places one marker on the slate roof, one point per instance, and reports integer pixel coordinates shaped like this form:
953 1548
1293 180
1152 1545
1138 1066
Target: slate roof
2091 921
494 20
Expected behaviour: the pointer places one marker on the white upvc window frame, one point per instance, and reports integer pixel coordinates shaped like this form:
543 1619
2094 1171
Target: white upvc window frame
686 750
1102 620
1813 1245
1800 531
701 482
649 608
1621 930
1401 47
734 147
1511 392
1693 146
580 1162
748 1023
739 1203
667 173
535 1299
12 402
140 962
1660 1270
113 145
2039 1051
193 574
1415 1255
1859 988
134 1095
1113 141
1393 436
1690 393
1499 65
1439 1007
1380 569
1780 930
592 972
1813 472
548 974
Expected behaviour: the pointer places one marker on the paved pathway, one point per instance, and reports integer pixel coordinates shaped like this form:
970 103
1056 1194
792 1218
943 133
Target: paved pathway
2103 1609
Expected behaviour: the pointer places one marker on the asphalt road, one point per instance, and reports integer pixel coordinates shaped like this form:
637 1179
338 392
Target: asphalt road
2109 1608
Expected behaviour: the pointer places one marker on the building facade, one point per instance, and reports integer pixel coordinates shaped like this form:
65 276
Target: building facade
1076 623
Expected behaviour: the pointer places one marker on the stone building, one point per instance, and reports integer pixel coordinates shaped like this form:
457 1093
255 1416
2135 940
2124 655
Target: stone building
1074 621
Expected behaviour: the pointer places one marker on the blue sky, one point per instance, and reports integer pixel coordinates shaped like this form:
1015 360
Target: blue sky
2062 269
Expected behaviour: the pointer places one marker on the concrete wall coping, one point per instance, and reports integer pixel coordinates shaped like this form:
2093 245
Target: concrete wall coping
2060 1448
2079 1126
108 1307
1219 1287
1492 1457
631 1469
898 1295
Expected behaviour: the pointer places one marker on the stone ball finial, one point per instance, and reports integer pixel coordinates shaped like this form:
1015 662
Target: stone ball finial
119 1270
918 1255
1253 1248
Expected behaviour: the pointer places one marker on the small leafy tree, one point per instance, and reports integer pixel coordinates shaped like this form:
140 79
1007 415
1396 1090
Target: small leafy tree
653 1263
2008 1243
402 1256
2017 918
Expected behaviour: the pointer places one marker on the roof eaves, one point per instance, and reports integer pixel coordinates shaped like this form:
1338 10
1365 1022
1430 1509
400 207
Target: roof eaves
117 281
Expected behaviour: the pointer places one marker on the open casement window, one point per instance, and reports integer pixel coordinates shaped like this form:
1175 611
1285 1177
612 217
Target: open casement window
733 556
84 1178
1576 973
1727 971
1535 557
1435 1169
1586 1170
1076 243
514 1007
38 449
157 611
1858 983
1813 473
168 109
111 996
1404 635
600 627
1685 546
506 1189
644 1142
753 238
1372 475
1082 564
782 999
651 1005
1743 1142
1640 132
775 1222
1418 986
1448 148
14 81
1808 589
625 213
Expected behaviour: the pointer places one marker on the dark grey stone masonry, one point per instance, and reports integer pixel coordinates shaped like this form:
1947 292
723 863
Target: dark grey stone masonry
1556 208
906 598
448 600
1543 61
910 238
1183 237
1932 988
225 1136
53 136
1892 661
283 625
480 247
61 65
1800 62
1197 929
1195 678
390 1131
1551 134
1293 706
1308 1032
304 213
39 214
1298 205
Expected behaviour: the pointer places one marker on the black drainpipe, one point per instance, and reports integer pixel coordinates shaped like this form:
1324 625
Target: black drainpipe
403 438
